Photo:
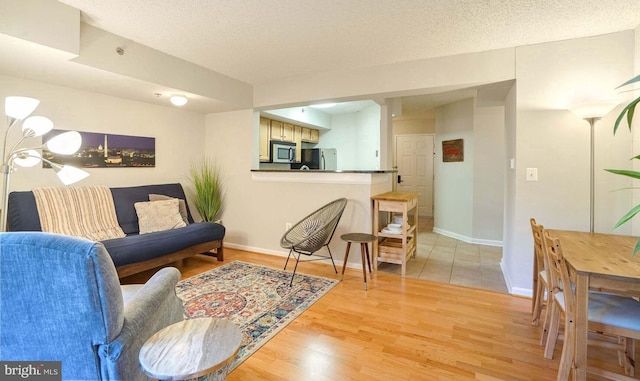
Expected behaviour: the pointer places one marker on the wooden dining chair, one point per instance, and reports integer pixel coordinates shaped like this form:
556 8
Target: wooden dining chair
613 319
541 280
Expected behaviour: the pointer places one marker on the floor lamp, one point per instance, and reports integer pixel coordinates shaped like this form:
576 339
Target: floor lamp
18 110
592 112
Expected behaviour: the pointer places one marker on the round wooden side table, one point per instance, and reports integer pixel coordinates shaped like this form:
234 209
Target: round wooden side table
363 239
193 349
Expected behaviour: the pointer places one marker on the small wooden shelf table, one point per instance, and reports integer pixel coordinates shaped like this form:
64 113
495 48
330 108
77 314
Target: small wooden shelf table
395 248
191 349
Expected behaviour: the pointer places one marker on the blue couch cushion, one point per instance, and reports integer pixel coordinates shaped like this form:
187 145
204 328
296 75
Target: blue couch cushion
141 247
23 212
125 197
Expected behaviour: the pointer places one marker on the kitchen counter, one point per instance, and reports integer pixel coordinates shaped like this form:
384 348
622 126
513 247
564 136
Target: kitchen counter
317 176
285 196
327 171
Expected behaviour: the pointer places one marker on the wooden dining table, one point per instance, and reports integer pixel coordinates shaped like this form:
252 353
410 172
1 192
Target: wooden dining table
600 262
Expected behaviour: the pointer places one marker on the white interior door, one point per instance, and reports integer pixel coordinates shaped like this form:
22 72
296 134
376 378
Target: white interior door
414 159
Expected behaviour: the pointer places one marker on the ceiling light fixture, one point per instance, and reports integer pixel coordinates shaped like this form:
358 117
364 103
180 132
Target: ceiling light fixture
323 105
178 100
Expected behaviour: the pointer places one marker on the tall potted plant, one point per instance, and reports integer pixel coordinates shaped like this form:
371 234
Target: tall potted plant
206 180
628 111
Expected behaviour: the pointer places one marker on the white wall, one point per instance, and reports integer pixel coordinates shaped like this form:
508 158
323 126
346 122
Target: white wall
453 181
414 126
356 137
306 116
179 134
342 136
469 195
488 174
554 140
510 261
388 81
636 125
51 24
367 143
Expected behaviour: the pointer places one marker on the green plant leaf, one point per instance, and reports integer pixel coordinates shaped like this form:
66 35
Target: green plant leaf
619 119
629 110
625 172
637 248
628 216
624 112
632 80
206 181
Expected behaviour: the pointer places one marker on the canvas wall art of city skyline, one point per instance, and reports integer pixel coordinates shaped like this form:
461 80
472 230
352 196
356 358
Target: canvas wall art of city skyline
101 150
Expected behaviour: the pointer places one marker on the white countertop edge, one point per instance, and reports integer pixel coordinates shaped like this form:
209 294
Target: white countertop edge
322 177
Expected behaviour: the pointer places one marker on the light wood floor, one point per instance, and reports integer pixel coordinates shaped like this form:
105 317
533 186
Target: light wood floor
400 329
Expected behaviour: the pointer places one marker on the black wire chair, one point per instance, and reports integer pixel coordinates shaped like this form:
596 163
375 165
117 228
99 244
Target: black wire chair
312 233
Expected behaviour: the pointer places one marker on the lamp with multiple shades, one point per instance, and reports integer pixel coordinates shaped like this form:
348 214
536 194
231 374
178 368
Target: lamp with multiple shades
18 110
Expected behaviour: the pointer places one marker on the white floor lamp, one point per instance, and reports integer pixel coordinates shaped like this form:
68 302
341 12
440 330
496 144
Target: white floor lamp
592 112
17 109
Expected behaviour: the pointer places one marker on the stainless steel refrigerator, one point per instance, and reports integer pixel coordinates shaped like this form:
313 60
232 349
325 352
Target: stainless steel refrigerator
320 158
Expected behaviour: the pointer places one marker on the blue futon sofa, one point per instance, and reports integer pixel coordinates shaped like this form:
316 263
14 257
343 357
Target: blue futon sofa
135 252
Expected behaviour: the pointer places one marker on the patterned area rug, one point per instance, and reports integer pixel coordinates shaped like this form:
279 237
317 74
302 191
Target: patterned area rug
256 298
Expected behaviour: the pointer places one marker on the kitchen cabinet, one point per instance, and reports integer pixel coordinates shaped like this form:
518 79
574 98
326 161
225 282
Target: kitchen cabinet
275 130
297 138
265 137
310 135
315 136
392 247
287 132
282 131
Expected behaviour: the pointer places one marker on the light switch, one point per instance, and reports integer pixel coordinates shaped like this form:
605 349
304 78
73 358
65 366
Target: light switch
532 174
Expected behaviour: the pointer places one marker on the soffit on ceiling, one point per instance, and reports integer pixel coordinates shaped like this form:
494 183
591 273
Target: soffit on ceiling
256 41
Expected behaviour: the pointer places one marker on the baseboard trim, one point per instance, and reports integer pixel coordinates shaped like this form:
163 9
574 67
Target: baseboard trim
464 238
257 250
525 292
519 291
283 254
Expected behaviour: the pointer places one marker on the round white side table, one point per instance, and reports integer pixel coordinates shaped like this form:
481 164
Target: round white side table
193 349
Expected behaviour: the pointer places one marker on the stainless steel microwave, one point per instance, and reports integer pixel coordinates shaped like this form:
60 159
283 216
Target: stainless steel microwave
283 152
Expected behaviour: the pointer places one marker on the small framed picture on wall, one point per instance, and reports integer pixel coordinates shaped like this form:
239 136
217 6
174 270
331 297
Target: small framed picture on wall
453 150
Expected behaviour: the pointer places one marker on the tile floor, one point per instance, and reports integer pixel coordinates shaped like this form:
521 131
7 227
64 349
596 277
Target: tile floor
447 260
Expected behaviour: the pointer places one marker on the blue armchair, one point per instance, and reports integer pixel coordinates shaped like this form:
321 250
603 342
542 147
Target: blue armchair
61 301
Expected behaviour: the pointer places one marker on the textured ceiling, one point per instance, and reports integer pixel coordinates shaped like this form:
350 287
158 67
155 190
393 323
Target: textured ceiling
260 40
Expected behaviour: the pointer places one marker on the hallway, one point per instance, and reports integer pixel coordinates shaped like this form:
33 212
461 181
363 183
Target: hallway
447 260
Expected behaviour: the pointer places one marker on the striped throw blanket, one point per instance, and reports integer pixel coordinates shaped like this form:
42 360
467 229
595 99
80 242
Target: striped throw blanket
87 212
